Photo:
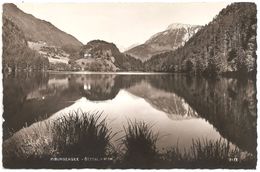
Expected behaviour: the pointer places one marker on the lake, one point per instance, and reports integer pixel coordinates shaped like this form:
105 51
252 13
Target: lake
180 108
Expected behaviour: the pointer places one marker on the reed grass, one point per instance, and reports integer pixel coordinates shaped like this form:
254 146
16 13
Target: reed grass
204 153
139 144
82 134
212 151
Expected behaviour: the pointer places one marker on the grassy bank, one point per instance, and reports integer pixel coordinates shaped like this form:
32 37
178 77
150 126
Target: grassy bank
85 139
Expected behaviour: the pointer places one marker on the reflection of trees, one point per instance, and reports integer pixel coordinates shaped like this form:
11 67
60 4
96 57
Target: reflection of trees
16 87
31 96
228 104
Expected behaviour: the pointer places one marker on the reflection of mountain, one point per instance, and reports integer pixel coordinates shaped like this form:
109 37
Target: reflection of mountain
102 86
175 106
228 104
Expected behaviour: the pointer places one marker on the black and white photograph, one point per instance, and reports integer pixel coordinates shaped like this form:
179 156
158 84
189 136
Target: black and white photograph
129 85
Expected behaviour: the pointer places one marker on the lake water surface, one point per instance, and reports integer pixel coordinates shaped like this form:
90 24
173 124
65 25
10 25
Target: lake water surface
180 108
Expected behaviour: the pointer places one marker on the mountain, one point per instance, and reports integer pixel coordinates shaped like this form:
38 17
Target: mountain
36 30
173 37
131 46
174 106
98 55
226 45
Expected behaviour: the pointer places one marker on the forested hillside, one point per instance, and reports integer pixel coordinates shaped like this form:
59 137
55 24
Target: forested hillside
16 53
98 55
225 45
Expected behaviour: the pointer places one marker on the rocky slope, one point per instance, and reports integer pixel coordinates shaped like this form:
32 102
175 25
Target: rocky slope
99 55
227 44
36 30
173 37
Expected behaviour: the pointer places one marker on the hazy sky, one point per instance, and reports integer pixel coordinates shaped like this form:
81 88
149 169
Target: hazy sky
122 23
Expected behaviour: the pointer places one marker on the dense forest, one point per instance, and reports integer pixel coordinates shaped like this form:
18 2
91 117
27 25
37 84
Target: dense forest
16 53
225 45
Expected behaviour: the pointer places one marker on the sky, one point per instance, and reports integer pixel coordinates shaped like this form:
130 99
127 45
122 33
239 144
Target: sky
124 24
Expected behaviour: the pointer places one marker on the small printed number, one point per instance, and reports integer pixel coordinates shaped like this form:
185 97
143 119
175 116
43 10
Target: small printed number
233 159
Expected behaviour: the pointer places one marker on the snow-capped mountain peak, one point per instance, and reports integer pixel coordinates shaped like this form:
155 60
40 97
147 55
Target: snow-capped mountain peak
179 26
174 36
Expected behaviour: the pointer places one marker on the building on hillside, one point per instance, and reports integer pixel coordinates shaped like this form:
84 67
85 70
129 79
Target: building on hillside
87 55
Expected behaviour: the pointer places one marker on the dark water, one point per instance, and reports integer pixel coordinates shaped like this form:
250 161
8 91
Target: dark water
180 108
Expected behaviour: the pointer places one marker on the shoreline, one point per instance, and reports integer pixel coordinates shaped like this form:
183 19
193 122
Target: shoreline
234 75
116 73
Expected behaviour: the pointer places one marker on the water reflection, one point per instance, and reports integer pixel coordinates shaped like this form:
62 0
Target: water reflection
182 107
97 87
228 104
174 128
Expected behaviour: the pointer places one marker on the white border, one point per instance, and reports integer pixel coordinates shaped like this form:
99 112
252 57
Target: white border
129 1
